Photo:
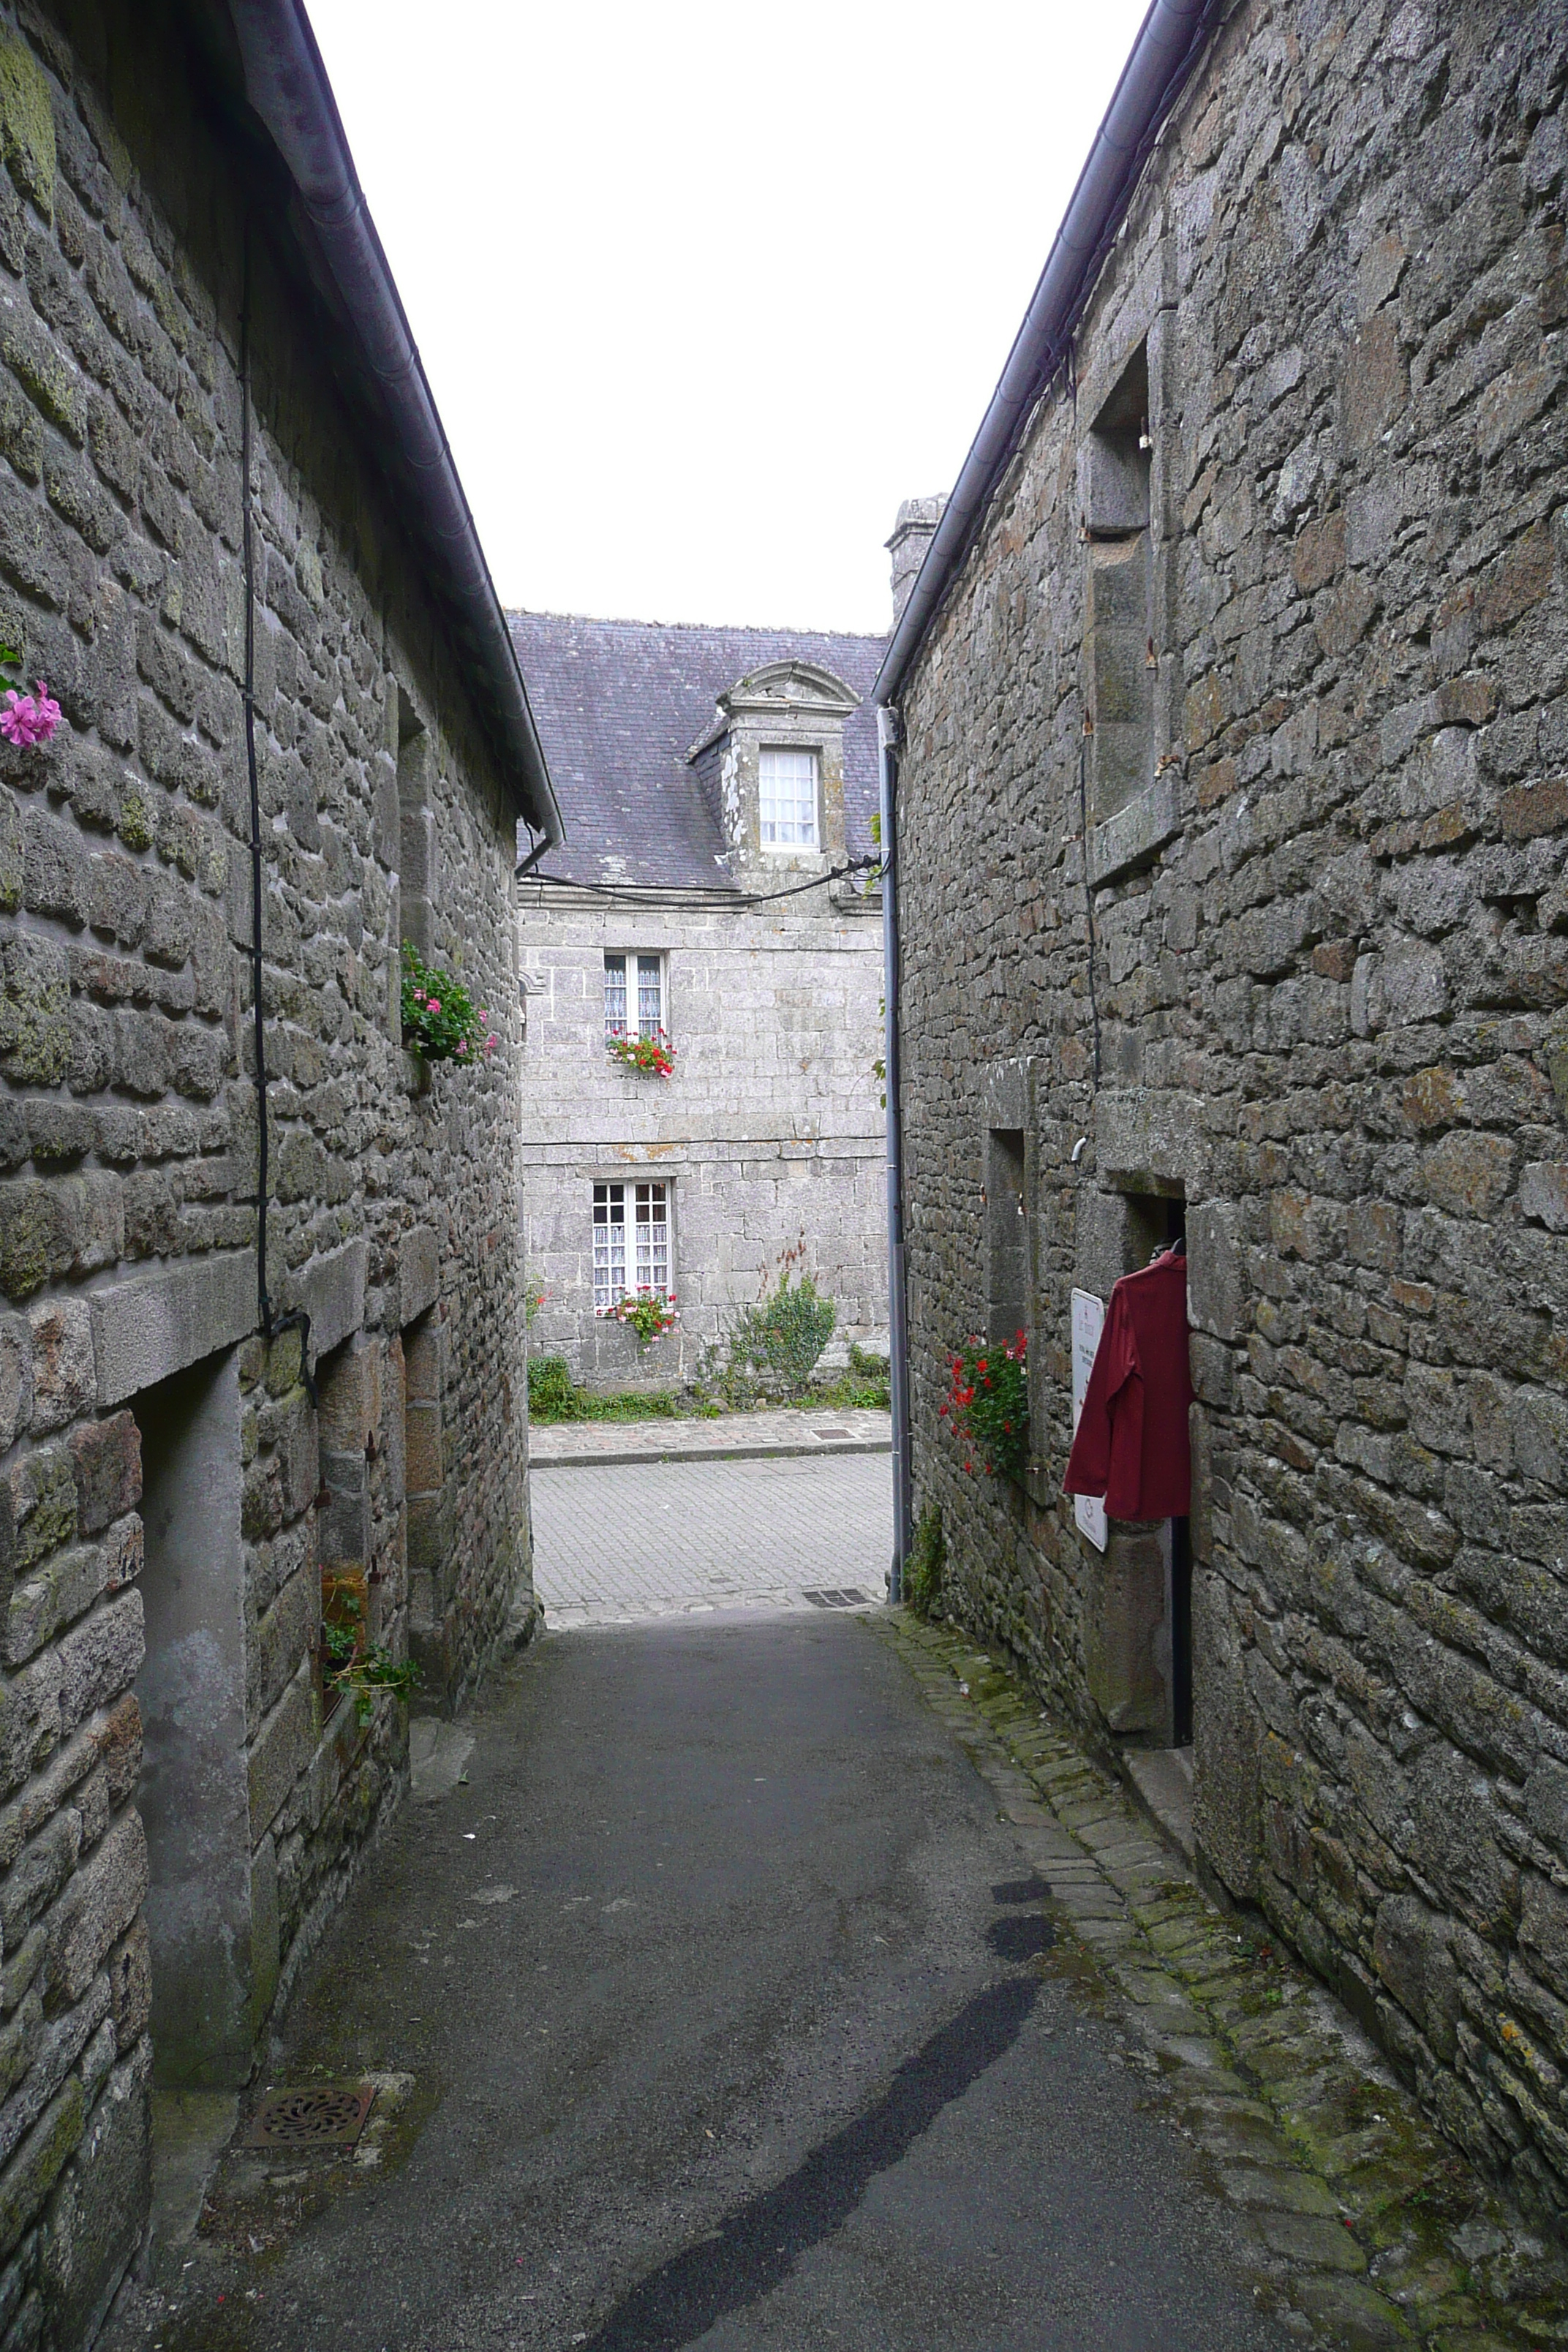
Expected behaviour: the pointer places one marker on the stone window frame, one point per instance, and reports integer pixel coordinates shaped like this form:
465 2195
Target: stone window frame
660 1185
626 957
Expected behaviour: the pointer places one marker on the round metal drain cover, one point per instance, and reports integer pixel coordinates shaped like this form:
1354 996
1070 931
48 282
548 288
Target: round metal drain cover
323 2115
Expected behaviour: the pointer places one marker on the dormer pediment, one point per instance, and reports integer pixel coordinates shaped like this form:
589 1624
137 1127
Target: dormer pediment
797 687
795 690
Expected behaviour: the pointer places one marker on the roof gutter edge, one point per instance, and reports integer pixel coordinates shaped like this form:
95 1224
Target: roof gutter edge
286 84
1170 40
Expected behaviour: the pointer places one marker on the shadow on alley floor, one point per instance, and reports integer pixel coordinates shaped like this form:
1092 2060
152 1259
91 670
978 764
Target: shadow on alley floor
717 2006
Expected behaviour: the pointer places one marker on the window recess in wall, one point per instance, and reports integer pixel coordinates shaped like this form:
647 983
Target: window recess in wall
1131 810
416 875
631 1242
1006 1237
787 795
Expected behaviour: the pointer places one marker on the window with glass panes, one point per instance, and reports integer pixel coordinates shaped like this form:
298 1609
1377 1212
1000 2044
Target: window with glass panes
634 984
787 798
641 1263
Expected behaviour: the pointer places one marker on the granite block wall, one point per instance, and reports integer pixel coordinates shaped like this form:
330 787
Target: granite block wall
1233 823
175 1492
769 1133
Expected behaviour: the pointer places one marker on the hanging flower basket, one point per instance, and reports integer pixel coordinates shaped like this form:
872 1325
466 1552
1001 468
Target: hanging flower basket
650 1057
650 1313
441 1020
987 1406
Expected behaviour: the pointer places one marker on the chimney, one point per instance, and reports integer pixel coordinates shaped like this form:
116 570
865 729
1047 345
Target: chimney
918 518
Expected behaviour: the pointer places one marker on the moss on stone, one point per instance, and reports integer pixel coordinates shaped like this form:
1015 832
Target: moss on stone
36 2166
26 1226
34 1013
10 855
27 122
135 825
47 378
46 1504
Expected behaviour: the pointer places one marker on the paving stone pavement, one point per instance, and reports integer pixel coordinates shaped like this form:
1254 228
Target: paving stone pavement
817 1429
616 1542
1371 2232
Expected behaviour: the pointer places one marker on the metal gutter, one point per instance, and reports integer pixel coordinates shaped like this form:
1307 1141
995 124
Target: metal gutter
897 1316
287 86
1169 42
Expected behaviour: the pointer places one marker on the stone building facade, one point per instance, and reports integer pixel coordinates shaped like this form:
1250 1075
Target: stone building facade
195 1463
1232 822
763 1148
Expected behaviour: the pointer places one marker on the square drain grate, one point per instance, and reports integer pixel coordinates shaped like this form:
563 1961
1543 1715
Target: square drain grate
837 1596
323 2115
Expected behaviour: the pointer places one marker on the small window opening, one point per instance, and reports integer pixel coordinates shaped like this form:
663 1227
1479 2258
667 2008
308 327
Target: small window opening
416 878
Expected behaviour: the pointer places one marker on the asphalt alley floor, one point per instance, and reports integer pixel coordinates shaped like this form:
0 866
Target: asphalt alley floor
778 1982
717 2010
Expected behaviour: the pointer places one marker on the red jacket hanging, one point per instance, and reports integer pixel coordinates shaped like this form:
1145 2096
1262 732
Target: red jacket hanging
1131 1441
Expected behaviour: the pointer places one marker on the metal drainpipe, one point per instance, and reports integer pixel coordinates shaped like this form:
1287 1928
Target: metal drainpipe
897 1320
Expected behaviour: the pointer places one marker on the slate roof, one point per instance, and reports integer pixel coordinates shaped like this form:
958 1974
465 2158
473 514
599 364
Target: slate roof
618 705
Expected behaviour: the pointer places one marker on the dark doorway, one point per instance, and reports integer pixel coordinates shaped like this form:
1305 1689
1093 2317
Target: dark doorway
1181 1564
193 1794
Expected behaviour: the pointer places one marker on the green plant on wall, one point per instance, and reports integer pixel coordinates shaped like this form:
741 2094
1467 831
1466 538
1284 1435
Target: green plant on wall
554 1396
924 1567
349 1667
771 1348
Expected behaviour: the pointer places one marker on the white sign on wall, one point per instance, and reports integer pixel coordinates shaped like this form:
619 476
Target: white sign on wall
1088 1323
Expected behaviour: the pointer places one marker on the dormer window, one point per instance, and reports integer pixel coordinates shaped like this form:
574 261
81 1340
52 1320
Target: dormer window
787 798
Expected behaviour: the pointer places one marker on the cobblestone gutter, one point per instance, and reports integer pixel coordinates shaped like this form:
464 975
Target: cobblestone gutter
1369 2230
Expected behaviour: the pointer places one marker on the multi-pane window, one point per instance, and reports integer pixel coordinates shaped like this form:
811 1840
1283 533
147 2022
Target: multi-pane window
633 983
788 798
643 1263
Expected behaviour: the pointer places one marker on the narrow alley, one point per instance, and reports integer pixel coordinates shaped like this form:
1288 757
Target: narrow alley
784 1305
727 1983
715 1982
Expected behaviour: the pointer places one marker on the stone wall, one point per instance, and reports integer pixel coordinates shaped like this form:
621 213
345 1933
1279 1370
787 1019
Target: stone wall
1295 548
188 1617
769 1132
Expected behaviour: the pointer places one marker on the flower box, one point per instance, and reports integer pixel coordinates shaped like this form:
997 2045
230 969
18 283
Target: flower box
650 1057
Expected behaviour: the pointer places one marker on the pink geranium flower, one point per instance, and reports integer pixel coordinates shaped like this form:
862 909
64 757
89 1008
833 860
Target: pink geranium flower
28 718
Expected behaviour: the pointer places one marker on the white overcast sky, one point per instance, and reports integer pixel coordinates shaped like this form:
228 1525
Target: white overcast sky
703 290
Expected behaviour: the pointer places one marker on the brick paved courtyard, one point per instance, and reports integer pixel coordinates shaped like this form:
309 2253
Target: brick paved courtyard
614 1542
